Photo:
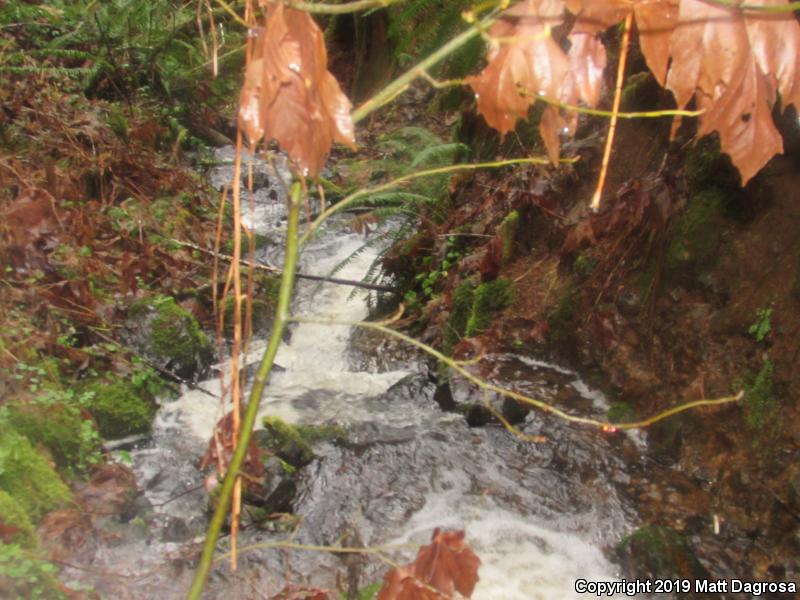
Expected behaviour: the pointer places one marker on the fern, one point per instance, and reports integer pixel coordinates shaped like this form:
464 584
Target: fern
426 25
404 151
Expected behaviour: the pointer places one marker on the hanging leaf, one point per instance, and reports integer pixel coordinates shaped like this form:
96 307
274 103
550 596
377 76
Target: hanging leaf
446 565
290 96
655 21
734 63
524 62
594 16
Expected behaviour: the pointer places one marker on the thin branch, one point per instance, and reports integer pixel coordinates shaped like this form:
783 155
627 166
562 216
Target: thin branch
612 128
276 271
540 404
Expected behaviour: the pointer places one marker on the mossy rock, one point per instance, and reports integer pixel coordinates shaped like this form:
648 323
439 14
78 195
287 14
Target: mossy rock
27 477
658 552
11 513
170 336
697 236
292 443
119 410
285 441
490 298
59 428
507 230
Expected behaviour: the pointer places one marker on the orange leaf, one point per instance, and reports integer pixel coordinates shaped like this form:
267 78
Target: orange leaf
775 43
524 62
401 584
445 565
655 20
594 16
290 96
734 64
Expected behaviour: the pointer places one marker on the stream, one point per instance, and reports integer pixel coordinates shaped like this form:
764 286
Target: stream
539 516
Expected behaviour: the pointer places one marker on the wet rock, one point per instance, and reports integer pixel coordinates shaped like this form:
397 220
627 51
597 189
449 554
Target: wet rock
373 352
175 530
658 552
279 486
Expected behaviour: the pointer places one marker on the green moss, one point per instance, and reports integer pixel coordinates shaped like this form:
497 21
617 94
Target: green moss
697 236
463 297
313 434
560 317
71 440
23 575
660 552
176 335
27 477
707 167
286 442
270 286
490 298
760 404
473 307
262 315
259 241
11 513
119 410
583 266
620 412
638 91
507 230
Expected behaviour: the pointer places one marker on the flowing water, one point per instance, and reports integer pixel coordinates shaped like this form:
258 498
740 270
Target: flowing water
539 516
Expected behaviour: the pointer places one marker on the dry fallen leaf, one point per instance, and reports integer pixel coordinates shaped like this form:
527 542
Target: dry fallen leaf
290 96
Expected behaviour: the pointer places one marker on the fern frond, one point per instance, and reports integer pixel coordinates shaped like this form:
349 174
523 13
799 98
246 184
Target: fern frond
441 155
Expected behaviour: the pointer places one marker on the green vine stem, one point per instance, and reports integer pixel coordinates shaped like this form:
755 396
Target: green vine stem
259 383
458 366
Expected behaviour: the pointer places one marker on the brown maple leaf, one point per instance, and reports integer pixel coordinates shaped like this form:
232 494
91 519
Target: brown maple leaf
524 62
655 21
734 63
444 566
290 96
